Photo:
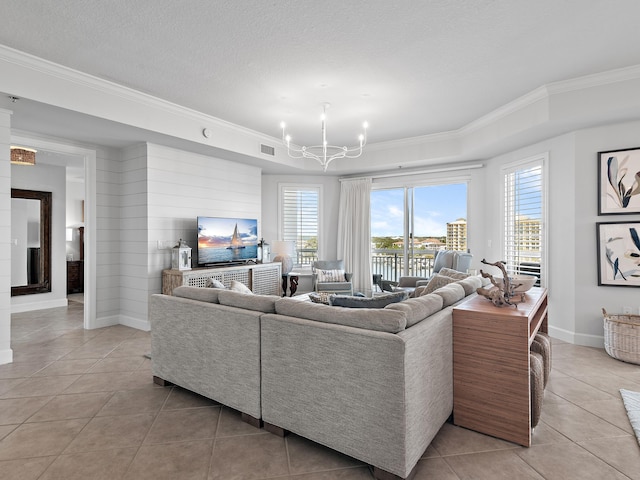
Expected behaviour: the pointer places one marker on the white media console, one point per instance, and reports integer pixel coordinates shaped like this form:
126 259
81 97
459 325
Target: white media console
261 278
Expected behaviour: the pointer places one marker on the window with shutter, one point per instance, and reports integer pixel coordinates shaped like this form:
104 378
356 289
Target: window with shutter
300 220
524 234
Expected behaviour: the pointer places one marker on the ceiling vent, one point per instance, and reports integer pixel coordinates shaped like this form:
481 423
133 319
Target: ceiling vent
267 150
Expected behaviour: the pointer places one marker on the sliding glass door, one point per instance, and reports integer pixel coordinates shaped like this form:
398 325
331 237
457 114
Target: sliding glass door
410 224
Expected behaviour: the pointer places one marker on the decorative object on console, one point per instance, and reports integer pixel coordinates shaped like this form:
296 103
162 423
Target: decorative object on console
324 153
505 290
264 252
23 156
284 251
619 182
181 256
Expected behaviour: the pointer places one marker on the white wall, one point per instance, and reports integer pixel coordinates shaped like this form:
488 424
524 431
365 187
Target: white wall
46 178
575 299
6 354
590 298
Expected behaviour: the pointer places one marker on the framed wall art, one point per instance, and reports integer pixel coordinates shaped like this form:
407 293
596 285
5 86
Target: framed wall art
619 182
619 253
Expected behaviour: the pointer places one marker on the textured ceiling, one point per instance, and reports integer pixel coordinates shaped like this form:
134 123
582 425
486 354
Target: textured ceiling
408 67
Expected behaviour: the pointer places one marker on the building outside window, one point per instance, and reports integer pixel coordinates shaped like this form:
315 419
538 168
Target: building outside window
299 220
524 225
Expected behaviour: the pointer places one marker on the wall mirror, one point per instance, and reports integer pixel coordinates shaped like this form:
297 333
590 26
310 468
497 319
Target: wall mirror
30 242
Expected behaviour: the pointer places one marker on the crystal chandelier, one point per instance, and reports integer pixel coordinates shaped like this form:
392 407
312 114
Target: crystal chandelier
324 153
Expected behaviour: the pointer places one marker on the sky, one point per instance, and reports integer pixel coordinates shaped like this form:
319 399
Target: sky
435 206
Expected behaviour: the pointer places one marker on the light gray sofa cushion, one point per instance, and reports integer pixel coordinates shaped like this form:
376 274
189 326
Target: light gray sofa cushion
378 301
450 294
419 308
470 284
197 293
368 318
249 301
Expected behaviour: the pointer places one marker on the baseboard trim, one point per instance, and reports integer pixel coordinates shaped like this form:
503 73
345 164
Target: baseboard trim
104 322
137 323
29 307
6 356
582 339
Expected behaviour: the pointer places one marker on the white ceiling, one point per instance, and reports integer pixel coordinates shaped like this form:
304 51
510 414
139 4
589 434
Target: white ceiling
410 68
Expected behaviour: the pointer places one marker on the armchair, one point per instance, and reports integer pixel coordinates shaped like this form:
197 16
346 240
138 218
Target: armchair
322 281
452 259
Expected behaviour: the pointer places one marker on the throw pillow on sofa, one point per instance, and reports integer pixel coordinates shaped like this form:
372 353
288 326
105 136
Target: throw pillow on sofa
379 301
435 282
324 276
213 283
239 287
320 297
449 272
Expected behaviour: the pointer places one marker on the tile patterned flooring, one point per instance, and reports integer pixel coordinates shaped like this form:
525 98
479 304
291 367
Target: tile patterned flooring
79 404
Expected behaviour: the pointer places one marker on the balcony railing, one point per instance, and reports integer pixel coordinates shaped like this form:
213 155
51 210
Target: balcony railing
388 262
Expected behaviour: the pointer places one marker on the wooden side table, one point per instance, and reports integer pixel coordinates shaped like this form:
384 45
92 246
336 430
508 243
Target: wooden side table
491 389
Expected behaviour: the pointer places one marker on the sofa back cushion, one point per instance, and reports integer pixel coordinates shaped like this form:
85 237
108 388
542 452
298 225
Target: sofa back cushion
378 301
450 294
197 293
380 319
257 303
470 284
419 308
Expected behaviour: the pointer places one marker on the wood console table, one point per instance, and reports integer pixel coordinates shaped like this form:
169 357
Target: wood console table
261 278
491 389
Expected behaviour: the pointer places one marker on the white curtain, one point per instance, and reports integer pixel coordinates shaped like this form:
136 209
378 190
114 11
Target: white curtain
354 232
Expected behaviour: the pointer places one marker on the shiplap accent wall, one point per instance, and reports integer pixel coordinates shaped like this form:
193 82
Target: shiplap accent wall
6 354
108 244
133 226
163 190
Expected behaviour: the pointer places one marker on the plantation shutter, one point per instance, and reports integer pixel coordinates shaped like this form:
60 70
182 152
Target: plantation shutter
300 219
524 214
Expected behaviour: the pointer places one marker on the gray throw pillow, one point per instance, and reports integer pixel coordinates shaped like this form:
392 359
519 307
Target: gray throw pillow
449 272
435 282
378 301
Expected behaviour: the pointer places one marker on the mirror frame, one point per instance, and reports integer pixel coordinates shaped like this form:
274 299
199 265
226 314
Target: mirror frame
44 280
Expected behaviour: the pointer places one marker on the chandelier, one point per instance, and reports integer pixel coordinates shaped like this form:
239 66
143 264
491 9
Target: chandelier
324 153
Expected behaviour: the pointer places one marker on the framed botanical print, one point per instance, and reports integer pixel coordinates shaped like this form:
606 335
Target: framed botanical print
619 182
619 253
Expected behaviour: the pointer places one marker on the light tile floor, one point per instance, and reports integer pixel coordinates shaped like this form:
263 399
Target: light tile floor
79 404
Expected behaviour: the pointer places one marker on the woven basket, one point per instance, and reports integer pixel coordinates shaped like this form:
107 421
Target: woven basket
622 336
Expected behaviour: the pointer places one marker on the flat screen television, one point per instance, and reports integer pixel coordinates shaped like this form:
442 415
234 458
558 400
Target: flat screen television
227 240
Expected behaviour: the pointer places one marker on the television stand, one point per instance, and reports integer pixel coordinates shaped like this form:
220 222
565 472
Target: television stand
262 278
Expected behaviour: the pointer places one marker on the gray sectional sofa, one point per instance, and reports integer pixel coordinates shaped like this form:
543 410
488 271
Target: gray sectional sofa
375 384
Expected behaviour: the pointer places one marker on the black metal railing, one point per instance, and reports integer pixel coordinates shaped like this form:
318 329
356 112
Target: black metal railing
388 262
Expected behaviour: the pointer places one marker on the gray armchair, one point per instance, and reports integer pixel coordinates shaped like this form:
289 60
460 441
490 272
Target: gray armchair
460 261
452 259
345 287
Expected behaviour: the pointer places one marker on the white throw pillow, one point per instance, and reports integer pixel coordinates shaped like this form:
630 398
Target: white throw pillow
330 275
239 287
213 283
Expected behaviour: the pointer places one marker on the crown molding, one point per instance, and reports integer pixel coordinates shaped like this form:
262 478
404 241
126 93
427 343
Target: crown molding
46 67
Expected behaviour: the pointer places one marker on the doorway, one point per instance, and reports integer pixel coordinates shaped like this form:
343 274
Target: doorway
81 163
